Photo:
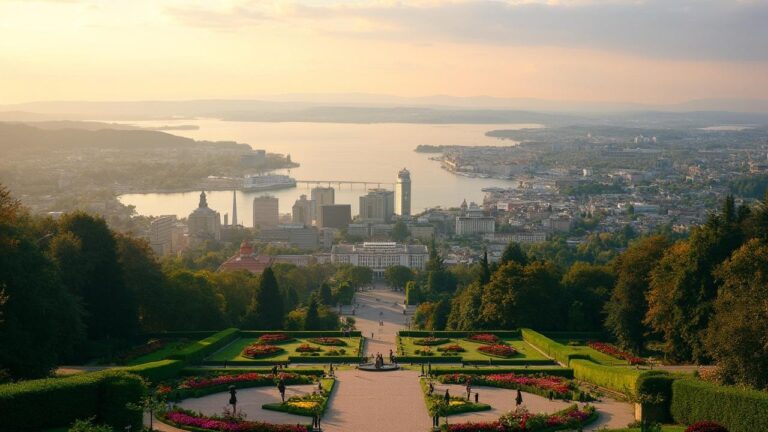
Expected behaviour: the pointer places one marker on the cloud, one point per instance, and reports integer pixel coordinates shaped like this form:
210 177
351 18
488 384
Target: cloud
730 30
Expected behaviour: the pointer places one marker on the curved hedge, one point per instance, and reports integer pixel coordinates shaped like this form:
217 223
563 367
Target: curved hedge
739 410
201 349
55 402
157 371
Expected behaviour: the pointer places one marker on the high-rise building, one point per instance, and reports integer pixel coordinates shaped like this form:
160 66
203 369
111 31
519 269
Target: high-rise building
321 196
302 211
335 216
377 206
403 193
161 234
204 223
234 207
266 213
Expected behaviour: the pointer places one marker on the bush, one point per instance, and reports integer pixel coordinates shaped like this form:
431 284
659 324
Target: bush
157 371
655 390
739 410
705 426
55 402
201 349
612 377
561 372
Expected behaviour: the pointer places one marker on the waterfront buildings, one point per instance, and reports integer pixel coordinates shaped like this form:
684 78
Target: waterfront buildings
377 206
403 193
302 211
473 221
166 235
265 212
378 256
321 196
294 235
335 216
204 223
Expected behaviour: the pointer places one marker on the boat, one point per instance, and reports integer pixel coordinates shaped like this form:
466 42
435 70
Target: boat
258 183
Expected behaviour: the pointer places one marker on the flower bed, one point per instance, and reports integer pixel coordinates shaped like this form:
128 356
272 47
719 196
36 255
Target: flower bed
260 350
706 426
203 385
136 352
183 418
431 341
455 348
424 352
485 338
305 405
613 351
503 351
274 338
456 405
523 421
335 352
329 341
307 348
559 387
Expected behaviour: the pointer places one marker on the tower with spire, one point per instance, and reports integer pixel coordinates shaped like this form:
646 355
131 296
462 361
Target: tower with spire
204 223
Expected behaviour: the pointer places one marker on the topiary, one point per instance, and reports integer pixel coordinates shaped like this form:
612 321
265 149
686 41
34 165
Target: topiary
706 426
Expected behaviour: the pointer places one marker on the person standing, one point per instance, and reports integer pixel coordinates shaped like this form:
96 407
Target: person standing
469 388
281 389
519 398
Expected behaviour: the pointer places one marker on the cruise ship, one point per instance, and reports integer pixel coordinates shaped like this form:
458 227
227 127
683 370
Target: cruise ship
257 183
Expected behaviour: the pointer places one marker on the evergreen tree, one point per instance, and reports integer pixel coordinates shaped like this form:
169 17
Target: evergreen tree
312 319
266 311
412 293
513 253
485 269
326 296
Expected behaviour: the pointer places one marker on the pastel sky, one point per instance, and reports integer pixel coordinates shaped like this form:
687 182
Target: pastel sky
647 51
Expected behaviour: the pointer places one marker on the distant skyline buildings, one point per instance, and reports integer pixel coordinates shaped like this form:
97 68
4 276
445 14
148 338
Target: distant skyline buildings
204 223
321 196
302 211
403 193
377 206
266 212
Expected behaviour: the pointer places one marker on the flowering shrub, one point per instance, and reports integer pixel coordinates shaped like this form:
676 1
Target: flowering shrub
180 417
430 341
612 351
424 352
452 348
558 385
273 338
332 341
706 426
253 378
260 350
485 338
148 348
307 348
498 350
521 420
334 352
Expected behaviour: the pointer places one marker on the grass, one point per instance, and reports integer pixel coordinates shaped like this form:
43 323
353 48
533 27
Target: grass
161 354
597 356
233 351
525 351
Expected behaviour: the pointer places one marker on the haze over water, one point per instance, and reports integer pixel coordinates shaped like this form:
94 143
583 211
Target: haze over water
333 151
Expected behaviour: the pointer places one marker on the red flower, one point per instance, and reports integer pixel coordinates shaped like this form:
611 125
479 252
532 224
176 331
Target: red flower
485 338
615 352
498 350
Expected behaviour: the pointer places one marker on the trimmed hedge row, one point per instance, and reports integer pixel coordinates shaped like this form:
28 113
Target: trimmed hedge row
658 386
208 371
157 371
504 334
561 353
739 410
511 362
196 335
324 359
560 372
616 378
301 334
55 402
197 351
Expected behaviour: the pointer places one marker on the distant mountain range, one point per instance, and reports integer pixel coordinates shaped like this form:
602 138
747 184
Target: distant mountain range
369 108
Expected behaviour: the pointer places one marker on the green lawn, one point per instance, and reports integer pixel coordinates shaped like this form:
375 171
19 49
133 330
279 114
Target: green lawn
526 352
161 354
232 351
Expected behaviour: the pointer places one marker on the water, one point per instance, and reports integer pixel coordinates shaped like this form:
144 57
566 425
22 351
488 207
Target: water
332 151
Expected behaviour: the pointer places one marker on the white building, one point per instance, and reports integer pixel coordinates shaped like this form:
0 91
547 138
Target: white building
378 256
473 221
403 193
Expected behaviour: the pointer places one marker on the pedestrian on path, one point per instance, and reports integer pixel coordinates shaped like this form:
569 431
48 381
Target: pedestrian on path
519 398
447 397
281 389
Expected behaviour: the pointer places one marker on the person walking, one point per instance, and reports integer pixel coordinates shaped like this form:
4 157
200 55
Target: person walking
519 398
281 389
469 388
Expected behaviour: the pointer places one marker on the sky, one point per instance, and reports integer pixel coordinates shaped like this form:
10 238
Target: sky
640 51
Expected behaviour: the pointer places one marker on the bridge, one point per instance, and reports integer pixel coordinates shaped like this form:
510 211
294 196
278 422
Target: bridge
350 183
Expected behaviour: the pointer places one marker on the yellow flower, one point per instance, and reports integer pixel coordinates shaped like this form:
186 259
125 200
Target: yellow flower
456 402
303 404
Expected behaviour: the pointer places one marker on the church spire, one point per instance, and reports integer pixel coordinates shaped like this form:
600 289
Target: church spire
203 201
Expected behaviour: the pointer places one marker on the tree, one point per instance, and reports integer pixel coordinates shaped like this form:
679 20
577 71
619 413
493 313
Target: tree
485 269
400 232
627 306
356 276
587 287
398 275
412 293
266 311
344 293
513 253
737 337
312 318
144 279
191 302
465 308
326 296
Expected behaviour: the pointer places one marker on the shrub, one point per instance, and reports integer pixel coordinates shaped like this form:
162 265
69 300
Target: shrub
612 351
431 341
274 338
201 349
307 348
485 338
739 410
455 348
260 350
157 371
330 341
617 378
503 351
705 426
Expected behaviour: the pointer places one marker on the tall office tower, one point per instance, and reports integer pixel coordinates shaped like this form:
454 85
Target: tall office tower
377 206
234 207
302 211
321 196
161 234
403 193
266 212
336 216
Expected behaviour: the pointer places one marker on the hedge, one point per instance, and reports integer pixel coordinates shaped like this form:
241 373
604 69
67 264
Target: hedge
195 335
301 334
561 353
616 378
560 372
209 371
739 410
325 359
510 362
504 334
658 386
157 371
56 402
201 349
